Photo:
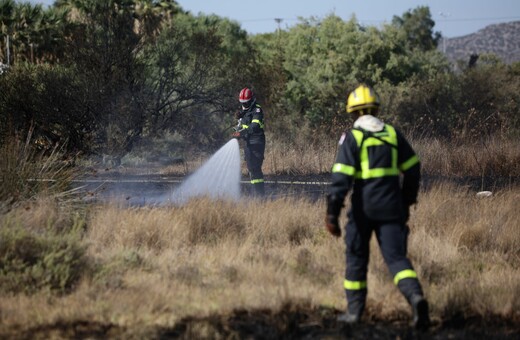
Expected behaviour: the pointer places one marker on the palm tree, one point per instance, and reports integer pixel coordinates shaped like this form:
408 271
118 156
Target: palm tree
19 25
150 14
54 29
6 22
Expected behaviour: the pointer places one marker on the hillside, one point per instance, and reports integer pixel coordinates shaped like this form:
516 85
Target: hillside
500 39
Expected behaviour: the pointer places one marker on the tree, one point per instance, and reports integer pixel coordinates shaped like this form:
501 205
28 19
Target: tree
151 14
51 35
34 34
193 72
6 28
103 52
326 59
417 26
19 23
43 98
319 61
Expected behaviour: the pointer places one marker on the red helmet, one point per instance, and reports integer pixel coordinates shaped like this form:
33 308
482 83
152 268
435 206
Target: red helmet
246 97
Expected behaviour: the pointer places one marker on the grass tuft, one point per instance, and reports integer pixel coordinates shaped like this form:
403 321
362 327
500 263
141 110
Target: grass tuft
27 172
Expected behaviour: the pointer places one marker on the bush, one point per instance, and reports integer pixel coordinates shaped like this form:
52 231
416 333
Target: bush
31 261
479 102
50 100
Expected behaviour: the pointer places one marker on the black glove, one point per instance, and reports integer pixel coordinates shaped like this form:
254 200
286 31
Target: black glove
406 209
239 114
406 214
331 222
334 205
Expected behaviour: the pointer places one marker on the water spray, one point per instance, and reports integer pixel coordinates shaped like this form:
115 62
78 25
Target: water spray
218 178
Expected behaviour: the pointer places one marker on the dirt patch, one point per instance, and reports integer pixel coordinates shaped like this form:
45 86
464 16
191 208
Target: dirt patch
320 323
291 322
64 330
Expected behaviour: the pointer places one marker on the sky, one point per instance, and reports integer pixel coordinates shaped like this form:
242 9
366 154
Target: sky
453 18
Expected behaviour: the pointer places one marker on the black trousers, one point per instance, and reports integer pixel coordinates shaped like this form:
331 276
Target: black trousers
254 155
392 237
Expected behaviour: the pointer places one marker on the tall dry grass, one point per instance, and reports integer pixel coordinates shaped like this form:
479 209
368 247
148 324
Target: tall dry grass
27 172
490 157
282 157
153 266
300 156
485 158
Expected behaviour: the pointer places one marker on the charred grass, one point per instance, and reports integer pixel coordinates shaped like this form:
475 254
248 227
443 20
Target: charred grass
258 269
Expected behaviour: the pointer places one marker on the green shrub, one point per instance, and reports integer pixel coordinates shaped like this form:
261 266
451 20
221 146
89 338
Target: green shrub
478 102
48 99
31 261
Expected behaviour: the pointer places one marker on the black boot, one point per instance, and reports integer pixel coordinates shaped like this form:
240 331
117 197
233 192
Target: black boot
259 189
349 318
354 312
421 317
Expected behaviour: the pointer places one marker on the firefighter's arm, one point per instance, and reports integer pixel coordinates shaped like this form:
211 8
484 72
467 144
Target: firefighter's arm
334 206
410 167
343 172
257 122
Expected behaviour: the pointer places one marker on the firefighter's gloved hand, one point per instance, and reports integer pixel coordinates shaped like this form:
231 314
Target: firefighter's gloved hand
238 115
332 224
236 134
406 214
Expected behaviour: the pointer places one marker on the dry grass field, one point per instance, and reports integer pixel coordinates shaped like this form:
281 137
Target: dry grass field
258 269
145 271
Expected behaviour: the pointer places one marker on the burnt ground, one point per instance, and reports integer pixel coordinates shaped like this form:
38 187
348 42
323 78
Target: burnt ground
291 322
140 190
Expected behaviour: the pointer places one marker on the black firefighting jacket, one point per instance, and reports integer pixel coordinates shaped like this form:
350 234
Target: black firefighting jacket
252 124
383 170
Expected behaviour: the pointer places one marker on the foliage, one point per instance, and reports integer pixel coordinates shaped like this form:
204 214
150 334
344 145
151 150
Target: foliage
192 75
481 101
102 51
46 100
417 27
34 33
31 260
328 58
270 76
104 75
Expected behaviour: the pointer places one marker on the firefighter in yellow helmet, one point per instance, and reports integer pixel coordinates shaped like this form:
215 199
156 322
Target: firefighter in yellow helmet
370 160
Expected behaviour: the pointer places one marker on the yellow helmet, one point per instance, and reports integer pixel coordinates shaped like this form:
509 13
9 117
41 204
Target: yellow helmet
363 97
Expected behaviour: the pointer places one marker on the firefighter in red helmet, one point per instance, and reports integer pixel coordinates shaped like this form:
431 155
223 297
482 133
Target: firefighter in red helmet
250 128
375 160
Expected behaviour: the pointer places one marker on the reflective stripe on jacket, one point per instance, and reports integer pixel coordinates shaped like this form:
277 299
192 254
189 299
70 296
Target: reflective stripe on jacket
253 124
371 163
